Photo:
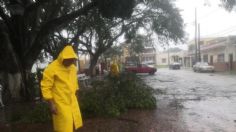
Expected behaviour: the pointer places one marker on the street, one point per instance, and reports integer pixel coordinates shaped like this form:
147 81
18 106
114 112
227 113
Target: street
195 102
186 102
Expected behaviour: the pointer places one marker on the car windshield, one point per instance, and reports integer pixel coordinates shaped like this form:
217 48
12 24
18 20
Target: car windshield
144 65
204 64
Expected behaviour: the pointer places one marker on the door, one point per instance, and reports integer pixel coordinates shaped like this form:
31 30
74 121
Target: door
139 68
231 61
211 60
144 69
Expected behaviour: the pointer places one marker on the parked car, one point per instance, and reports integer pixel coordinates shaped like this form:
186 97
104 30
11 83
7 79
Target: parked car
149 63
203 67
175 65
141 68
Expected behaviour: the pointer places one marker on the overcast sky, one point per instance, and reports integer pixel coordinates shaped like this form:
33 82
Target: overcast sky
214 20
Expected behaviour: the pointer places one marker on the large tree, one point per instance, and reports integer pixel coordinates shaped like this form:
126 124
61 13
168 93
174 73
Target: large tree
27 24
158 17
92 35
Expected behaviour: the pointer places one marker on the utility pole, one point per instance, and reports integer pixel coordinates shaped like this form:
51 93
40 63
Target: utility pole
168 55
199 44
196 41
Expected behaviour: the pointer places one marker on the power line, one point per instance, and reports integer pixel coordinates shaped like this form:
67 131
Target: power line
222 32
206 16
225 31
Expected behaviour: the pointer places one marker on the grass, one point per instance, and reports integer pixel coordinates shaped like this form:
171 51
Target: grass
162 66
233 72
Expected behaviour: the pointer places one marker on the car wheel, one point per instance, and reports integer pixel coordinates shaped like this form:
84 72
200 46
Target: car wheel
151 73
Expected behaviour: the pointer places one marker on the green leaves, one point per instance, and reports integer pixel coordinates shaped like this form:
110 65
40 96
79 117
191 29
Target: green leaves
113 96
156 18
116 8
40 113
228 4
113 51
138 44
167 21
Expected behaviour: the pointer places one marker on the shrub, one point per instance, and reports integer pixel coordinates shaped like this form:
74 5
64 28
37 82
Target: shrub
39 114
115 95
108 98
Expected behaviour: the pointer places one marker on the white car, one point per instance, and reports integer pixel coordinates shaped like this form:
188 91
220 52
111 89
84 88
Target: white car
203 67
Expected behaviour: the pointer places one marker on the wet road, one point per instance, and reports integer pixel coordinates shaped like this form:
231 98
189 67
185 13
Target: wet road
187 102
195 102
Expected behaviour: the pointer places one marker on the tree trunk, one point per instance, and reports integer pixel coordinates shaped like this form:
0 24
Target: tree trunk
14 85
14 67
93 62
26 87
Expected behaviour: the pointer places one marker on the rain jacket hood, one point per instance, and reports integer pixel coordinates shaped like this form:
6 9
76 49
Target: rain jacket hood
66 53
60 84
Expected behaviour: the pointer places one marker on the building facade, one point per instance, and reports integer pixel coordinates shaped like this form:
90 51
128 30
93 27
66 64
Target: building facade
219 52
148 55
166 58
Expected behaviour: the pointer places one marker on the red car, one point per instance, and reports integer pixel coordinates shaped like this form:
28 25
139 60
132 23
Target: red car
141 68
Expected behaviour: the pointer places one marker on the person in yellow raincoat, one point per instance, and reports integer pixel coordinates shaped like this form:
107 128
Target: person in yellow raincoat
59 86
114 69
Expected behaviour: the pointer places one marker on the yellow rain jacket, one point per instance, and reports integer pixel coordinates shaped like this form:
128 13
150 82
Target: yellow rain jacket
114 71
60 83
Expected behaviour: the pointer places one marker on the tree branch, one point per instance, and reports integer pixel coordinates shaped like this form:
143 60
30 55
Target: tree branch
3 15
50 26
79 32
5 18
116 37
89 50
35 5
85 51
54 23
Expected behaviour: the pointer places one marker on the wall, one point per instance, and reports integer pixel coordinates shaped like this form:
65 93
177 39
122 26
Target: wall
227 49
161 56
234 66
220 66
164 55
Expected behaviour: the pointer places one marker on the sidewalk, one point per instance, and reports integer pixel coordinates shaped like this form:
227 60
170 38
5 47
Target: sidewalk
228 72
132 121
217 72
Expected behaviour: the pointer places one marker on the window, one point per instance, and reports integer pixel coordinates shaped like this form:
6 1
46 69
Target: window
221 58
163 60
205 58
152 58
